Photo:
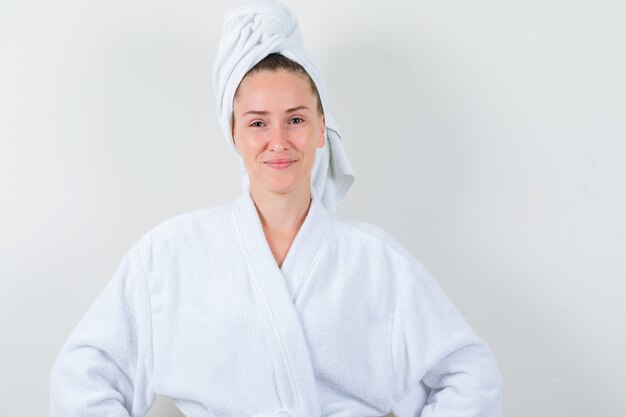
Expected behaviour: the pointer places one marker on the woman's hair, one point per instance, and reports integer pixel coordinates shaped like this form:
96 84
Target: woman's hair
275 62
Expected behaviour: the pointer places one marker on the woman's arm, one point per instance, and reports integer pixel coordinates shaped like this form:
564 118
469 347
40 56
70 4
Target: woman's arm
435 350
104 368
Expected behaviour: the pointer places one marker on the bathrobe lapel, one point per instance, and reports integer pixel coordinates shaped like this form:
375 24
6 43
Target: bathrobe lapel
279 290
305 248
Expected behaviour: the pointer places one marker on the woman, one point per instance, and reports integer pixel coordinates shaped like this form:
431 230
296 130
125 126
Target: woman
271 305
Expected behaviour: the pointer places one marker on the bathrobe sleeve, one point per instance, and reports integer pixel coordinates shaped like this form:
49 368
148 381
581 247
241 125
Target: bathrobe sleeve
104 367
436 352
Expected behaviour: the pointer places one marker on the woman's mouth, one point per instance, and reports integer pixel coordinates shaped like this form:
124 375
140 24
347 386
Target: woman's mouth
280 163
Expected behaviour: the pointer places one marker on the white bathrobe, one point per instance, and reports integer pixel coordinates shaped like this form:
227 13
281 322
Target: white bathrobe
199 311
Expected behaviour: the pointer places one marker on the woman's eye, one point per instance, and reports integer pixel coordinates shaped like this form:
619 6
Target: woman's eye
258 123
297 120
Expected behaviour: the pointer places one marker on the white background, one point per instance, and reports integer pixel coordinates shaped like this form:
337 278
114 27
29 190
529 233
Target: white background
488 137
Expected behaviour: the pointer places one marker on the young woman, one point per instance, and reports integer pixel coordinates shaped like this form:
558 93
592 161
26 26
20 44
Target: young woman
272 305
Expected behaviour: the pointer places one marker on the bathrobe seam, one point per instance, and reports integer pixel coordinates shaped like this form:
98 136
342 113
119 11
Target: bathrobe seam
391 344
150 314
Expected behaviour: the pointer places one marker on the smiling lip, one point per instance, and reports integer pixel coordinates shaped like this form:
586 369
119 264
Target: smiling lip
280 163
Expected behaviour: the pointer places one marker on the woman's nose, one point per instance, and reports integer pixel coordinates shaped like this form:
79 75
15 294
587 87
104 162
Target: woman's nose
278 140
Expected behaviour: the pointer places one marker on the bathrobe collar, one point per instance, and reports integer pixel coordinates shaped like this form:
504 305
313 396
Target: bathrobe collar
303 251
280 288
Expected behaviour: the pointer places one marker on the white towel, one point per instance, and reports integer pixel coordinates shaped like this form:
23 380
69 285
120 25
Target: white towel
250 33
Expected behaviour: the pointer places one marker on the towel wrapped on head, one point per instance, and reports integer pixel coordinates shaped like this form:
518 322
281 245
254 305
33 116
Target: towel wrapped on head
250 33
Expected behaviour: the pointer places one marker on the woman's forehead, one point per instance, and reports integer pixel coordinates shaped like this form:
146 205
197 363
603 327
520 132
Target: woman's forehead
279 88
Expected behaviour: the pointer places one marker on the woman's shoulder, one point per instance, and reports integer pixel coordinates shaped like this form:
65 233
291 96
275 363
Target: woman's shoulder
187 228
352 226
373 237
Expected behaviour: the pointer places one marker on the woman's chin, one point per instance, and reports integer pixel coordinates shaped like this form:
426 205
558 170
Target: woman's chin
281 187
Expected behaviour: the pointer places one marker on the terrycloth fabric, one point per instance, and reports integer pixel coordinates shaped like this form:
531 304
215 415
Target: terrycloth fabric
250 33
351 325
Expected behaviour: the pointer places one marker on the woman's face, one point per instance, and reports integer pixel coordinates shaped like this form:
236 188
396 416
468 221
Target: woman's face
277 128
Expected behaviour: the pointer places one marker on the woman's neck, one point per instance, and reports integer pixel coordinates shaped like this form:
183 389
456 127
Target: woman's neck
281 216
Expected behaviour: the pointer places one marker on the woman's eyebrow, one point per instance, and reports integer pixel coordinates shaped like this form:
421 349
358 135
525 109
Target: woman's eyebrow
256 112
294 109
264 113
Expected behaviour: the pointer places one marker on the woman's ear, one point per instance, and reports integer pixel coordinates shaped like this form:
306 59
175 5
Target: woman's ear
232 131
322 140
